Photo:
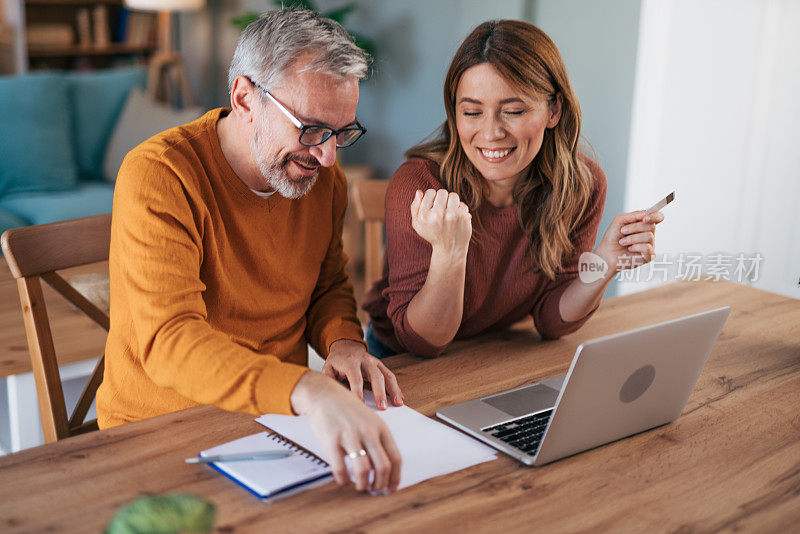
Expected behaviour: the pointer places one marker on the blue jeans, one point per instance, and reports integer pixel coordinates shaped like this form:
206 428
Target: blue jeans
376 347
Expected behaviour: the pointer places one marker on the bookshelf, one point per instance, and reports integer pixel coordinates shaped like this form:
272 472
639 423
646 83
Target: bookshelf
71 2
86 35
7 36
112 49
6 48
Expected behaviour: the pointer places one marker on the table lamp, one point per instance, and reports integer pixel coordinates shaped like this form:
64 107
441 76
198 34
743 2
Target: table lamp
167 62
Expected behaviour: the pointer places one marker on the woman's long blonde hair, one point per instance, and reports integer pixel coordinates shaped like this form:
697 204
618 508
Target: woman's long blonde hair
553 196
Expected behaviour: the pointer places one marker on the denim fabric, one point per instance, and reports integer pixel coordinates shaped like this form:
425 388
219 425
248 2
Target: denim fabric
376 347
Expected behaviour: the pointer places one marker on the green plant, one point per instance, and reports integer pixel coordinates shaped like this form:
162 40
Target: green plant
338 14
164 514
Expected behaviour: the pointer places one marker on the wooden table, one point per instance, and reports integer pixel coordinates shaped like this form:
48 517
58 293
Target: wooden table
730 462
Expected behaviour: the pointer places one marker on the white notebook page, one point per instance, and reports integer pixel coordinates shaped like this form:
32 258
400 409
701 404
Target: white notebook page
428 448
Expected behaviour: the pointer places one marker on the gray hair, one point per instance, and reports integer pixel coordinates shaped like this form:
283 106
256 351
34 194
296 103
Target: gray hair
269 46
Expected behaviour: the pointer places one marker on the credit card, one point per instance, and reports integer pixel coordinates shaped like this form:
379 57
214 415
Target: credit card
661 203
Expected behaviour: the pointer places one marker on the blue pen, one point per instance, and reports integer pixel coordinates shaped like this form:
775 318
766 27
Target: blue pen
240 457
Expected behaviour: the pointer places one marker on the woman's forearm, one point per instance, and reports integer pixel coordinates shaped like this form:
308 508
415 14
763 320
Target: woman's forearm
628 243
435 311
580 298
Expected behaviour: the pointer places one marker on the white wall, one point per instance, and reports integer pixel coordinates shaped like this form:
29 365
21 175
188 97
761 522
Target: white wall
711 114
715 118
598 42
416 40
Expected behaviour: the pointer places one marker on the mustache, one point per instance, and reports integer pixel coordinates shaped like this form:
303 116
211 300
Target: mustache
308 162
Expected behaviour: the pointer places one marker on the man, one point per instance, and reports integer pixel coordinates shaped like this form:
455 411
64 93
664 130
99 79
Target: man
226 254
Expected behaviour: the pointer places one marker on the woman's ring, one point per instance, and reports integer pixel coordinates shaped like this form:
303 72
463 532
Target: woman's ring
355 454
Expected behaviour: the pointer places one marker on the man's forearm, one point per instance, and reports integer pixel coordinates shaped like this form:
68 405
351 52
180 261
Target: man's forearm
306 391
332 316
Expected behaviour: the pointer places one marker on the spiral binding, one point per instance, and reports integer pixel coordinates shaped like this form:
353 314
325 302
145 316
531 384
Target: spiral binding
294 448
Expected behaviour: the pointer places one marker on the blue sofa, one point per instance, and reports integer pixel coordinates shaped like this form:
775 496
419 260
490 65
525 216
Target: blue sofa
54 130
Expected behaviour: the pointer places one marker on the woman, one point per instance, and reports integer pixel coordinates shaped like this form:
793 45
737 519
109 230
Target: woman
486 223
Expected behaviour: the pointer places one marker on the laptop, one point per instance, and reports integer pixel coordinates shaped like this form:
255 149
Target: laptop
617 386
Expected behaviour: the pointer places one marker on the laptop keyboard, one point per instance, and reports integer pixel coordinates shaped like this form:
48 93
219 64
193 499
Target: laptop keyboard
524 434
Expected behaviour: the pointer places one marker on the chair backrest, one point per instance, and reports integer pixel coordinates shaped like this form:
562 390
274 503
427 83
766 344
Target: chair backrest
368 198
36 252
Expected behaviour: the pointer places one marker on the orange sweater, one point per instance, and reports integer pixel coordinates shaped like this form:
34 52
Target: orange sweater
215 291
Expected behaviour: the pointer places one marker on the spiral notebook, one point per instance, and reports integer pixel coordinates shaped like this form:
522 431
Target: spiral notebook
270 479
429 448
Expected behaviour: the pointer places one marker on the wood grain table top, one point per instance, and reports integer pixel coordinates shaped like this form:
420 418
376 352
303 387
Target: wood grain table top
730 462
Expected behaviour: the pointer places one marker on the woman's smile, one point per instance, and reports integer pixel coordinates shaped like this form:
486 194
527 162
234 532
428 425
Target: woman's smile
500 128
496 155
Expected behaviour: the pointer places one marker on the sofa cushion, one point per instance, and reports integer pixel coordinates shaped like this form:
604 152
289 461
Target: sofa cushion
85 200
9 220
97 101
141 118
36 151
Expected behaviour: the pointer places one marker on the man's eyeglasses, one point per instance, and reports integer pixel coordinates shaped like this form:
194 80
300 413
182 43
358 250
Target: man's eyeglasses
313 134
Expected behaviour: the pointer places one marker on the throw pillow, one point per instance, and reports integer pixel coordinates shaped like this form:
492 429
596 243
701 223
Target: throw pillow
98 98
141 119
36 153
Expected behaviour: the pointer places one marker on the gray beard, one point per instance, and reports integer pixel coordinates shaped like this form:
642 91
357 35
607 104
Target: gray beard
275 175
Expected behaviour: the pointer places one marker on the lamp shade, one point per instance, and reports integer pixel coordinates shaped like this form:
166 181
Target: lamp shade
165 5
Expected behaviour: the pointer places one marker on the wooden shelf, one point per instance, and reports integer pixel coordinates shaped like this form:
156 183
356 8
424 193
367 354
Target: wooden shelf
114 49
72 2
125 43
6 35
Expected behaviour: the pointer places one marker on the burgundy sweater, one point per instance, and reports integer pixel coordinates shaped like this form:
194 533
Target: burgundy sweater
501 285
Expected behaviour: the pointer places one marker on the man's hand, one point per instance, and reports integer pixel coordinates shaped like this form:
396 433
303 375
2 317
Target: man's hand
349 360
345 427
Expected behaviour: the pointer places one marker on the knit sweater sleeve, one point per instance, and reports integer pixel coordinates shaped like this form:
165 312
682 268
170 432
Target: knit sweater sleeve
546 311
156 258
332 311
408 256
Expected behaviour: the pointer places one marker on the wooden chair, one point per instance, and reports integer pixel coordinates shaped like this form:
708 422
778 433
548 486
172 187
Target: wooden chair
368 197
36 252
